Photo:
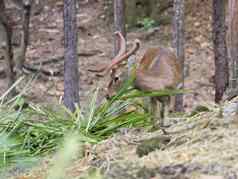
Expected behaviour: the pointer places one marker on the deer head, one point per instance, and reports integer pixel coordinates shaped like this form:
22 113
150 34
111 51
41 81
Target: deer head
116 76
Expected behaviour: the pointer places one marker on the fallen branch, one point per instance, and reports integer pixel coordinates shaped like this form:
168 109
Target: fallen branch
39 69
61 58
89 53
36 67
27 68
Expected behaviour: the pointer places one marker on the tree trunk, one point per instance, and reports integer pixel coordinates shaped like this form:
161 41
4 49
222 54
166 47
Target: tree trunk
232 42
119 22
220 50
21 56
6 46
178 43
71 75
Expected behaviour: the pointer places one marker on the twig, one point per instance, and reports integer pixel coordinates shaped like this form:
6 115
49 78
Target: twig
42 70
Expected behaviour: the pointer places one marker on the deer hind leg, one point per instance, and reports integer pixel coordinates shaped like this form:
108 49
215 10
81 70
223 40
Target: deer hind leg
171 104
159 110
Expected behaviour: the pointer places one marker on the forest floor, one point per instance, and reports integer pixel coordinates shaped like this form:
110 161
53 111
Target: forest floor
119 154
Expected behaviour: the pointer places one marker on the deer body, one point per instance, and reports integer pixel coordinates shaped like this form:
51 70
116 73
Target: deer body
157 70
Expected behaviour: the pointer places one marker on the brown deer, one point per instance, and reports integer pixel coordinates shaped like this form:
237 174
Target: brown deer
158 69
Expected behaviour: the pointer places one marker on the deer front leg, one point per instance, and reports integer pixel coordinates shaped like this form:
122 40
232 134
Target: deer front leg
171 104
159 111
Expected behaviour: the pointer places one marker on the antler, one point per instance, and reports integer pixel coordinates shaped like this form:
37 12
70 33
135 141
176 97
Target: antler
122 43
122 50
119 59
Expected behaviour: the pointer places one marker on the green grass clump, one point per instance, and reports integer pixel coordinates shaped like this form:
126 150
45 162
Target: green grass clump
29 131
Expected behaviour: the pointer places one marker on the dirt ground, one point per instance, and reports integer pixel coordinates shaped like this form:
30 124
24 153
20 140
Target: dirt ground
96 38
